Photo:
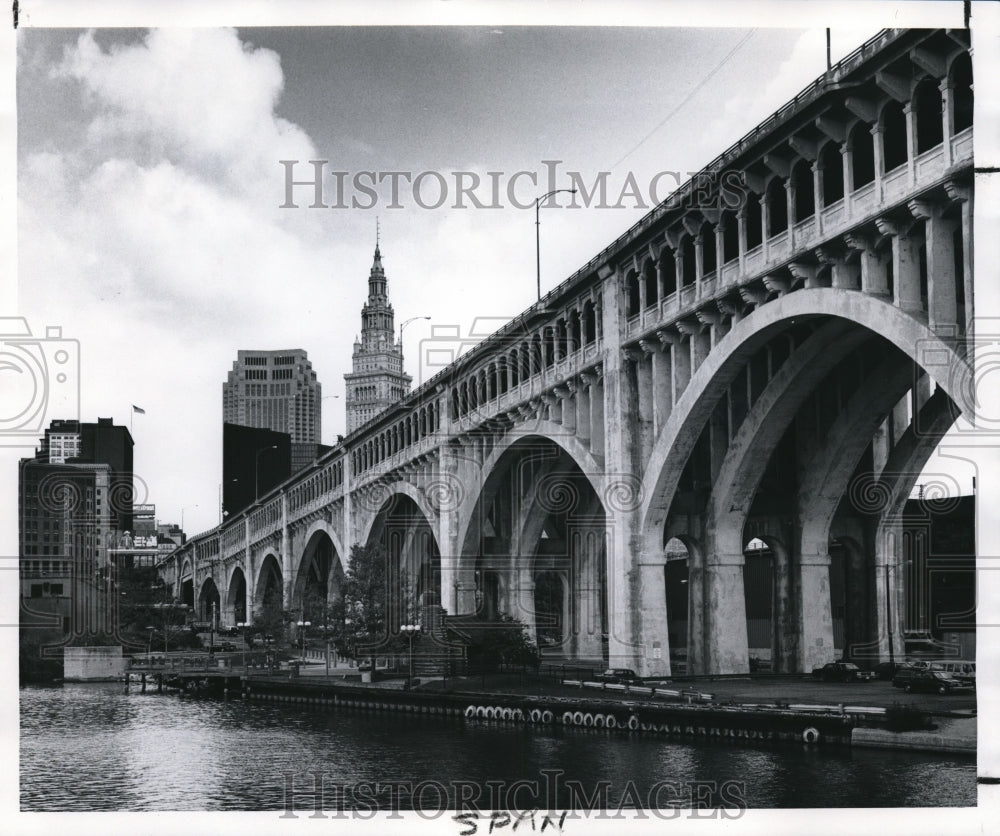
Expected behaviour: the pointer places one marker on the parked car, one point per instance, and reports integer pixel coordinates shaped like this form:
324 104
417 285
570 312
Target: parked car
926 680
842 672
624 676
223 647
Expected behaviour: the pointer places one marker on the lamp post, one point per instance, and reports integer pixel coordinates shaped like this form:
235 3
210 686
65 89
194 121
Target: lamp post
405 323
411 630
149 644
243 625
182 514
538 245
302 636
256 470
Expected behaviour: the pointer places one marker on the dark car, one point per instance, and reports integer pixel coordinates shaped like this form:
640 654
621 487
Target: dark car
842 672
624 676
937 682
224 647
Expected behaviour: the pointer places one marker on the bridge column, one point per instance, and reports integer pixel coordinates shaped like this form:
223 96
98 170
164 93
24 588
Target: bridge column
619 437
725 641
662 388
847 155
942 308
815 612
582 406
248 573
911 141
458 587
963 194
879 158
286 555
653 612
947 91
523 597
905 265
874 280
888 592
597 435
585 549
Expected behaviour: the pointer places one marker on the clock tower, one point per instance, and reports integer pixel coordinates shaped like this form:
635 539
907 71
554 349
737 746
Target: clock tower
377 380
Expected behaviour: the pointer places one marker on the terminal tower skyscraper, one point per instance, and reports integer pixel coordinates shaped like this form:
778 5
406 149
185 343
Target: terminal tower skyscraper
377 380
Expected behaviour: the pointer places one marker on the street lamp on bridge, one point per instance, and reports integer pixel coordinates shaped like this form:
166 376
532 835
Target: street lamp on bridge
538 245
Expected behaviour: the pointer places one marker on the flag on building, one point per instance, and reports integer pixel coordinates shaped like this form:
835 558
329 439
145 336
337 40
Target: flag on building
138 409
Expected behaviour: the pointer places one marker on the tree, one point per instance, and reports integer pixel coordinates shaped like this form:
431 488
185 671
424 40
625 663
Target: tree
506 643
272 618
367 617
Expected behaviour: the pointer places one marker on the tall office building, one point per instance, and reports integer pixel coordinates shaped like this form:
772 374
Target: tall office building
377 380
74 504
276 390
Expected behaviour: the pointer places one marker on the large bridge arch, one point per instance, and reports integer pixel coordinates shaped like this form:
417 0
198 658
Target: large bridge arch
235 607
374 503
676 440
845 322
543 431
318 572
533 544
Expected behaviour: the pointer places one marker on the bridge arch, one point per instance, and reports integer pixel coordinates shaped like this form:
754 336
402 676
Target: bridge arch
269 586
676 440
236 597
209 601
318 573
533 546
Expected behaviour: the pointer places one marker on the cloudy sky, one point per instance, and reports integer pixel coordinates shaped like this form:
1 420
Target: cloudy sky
149 192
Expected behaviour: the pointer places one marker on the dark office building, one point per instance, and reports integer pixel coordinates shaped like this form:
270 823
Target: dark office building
254 460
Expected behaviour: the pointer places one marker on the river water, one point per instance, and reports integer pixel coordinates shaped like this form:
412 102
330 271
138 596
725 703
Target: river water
92 747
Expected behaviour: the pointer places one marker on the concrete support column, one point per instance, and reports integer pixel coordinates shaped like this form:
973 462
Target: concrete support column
965 195
816 631
644 399
725 640
585 549
620 441
765 221
701 345
679 276
947 93
250 575
878 152
741 225
653 610
597 439
697 612
457 591
680 366
523 583
662 386
817 173
942 303
699 263
790 194
911 141
905 265
286 555
889 592
567 407
582 403
784 644
847 154
719 251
